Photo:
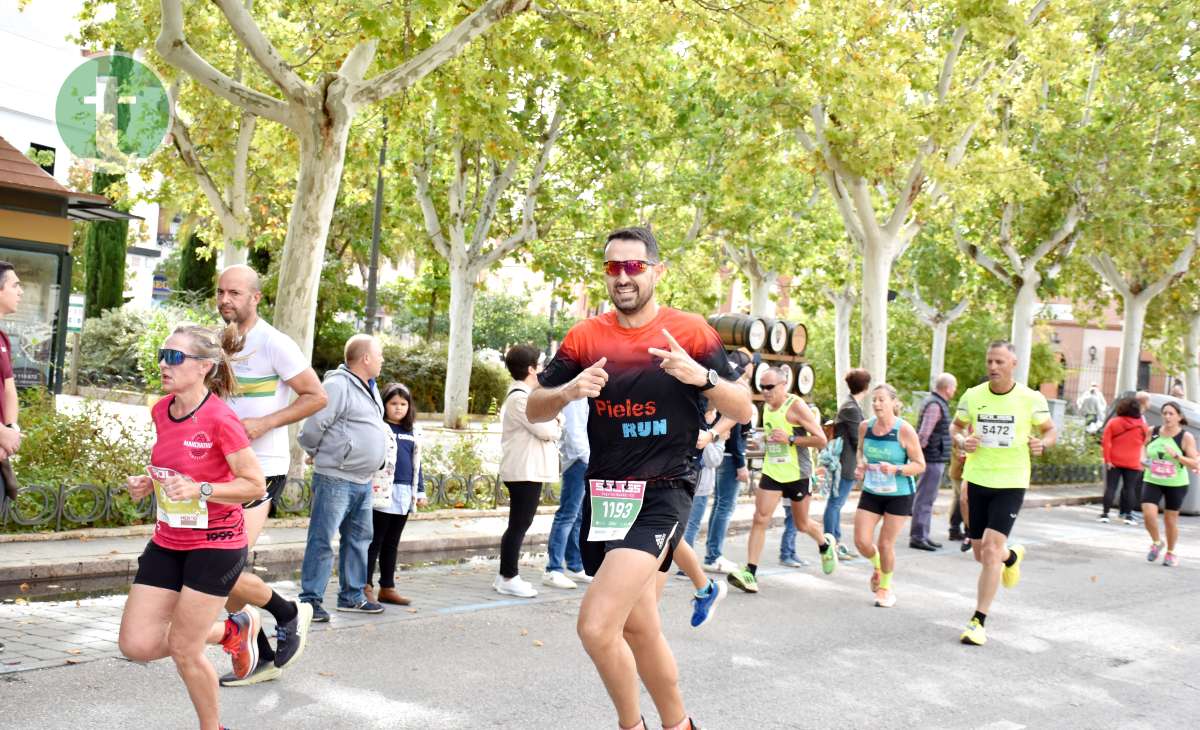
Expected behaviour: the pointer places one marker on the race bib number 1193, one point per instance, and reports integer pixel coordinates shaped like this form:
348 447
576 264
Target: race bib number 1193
615 506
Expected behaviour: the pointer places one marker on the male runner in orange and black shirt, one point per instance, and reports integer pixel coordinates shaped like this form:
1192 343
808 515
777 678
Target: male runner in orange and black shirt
643 369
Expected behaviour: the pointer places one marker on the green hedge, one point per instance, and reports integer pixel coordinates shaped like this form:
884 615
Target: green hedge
423 369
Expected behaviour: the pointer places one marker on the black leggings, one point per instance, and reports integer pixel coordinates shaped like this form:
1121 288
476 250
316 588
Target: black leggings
1130 498
388 528
523 498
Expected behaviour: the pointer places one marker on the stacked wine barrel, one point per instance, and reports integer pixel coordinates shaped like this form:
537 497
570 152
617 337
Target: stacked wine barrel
774 341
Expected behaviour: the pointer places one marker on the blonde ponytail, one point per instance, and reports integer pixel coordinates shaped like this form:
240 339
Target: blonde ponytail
220 347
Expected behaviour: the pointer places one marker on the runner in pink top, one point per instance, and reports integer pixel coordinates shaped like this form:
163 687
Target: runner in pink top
202 470
198 447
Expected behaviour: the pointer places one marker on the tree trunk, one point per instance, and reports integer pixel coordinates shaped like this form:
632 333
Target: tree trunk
760 291
322 157
1024 308
843 307
876 273
1133 323
236 252
462 351
937 353
1191 349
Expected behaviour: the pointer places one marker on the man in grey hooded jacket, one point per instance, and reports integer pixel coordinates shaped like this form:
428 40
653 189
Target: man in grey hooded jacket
347 441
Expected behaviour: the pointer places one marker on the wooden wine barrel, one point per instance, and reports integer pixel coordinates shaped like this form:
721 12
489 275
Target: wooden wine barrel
777 335
797 338
740 330
759 371
805 379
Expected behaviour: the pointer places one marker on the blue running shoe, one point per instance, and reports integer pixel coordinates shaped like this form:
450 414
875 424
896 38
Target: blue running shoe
704 603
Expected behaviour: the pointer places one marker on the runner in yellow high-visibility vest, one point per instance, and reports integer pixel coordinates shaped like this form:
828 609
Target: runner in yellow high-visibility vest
789 430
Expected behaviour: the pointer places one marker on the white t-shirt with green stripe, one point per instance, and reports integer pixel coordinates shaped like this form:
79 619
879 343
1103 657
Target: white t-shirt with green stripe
271 359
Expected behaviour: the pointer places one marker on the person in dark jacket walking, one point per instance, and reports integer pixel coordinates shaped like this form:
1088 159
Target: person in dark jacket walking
845 427
934 434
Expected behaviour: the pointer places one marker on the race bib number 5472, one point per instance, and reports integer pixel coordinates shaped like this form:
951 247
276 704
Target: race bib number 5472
996 430
615 506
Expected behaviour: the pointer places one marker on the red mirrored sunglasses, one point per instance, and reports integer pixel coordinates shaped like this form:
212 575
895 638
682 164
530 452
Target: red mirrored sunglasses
631 267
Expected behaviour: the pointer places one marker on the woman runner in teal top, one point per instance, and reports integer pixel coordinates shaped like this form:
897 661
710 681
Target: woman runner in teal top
1169 455
889 457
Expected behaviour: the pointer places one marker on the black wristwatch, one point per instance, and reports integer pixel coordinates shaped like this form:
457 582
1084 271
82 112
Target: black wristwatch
713 379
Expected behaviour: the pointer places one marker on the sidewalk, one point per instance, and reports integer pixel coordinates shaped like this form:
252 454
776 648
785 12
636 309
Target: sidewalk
53 564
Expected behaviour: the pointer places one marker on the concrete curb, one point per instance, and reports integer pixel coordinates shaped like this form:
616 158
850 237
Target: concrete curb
88 533
290 555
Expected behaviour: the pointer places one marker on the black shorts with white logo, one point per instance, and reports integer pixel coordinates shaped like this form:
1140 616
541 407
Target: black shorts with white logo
992 509
275 487
795 491
665 509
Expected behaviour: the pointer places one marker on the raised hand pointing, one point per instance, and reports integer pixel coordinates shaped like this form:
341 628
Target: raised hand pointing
679 364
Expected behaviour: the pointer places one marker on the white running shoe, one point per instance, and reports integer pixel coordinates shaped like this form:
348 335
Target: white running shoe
556 579
579 576
721 565
514 586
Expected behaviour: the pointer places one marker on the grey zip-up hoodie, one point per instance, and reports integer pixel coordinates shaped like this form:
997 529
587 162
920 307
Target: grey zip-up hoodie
347 438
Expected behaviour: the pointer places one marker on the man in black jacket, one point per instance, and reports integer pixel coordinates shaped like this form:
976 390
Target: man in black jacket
845 427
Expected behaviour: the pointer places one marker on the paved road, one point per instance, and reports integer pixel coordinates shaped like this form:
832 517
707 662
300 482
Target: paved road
1093 637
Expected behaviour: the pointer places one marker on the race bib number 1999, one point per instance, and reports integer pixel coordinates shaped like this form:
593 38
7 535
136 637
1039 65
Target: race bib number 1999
996 431
615 506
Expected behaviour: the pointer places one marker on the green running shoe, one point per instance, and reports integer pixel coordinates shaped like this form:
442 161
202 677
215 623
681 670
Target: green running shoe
829 558
744 580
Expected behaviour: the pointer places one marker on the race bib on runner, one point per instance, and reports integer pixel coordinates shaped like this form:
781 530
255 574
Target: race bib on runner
1162 468
187 513
778 453
876 481
996 431
615 504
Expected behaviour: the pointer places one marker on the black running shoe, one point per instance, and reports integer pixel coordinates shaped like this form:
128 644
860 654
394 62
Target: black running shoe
290 637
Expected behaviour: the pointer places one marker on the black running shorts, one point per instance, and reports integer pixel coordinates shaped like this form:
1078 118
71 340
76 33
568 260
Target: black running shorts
665 509
1171 496
206 570
992 509
275 487
886 504
794 491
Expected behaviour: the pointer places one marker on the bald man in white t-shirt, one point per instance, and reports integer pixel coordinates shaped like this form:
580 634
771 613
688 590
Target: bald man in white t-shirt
270 369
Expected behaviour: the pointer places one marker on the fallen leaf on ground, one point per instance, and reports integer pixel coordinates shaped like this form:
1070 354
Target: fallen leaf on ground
114 552
1095 578
325 674
53 585
74 661
524 632
536 642
74 651
84 538
21 602
411 610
